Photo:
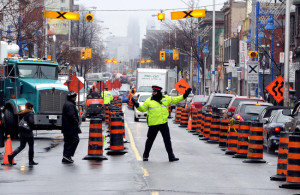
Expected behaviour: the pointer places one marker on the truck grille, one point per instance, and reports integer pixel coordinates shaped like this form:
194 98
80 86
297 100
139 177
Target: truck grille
51 103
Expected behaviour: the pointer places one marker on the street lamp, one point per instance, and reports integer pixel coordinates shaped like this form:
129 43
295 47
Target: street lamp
270 26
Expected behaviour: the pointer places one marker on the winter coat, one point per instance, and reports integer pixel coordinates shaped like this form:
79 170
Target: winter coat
158 113
29 118
70 118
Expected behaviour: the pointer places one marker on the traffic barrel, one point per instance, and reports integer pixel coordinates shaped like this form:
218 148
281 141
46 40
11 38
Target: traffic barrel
293 164
169 109
214 129
121 114
193 122
206 128
106 113
255 146
184 118
282 157
116 136
232 137
202 117
178 114
243 134
95 147
223 133
198 123
119 103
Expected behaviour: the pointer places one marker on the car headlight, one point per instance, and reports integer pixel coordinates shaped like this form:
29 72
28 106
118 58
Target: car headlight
22 107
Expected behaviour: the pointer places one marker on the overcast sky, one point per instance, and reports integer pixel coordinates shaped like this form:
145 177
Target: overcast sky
117 21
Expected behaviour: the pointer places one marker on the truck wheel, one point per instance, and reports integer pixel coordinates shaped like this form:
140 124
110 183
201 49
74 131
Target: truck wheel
10 123
136 119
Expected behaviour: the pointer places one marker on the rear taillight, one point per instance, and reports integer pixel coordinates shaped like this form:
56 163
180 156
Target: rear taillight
127 95
239 117
231 109
277 129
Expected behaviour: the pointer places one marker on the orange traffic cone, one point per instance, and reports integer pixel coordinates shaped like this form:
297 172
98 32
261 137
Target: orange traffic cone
189 127
8 150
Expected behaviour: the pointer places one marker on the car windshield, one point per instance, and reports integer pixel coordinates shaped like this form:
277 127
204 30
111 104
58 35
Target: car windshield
237 101
282 118
199 99
143 98
219 101
38 71
145 89
252 109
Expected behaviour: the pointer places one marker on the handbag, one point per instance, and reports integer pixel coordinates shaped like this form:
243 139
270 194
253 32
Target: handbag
23 125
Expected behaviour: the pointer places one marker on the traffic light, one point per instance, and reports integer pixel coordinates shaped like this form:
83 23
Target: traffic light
161 16
162 55
88 53
252 54
175 54
89 17
82 55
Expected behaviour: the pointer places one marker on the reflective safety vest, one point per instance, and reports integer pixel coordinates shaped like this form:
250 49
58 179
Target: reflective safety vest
158 113
107 97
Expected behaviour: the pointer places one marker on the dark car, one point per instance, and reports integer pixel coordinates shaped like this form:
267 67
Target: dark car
249 111
124 96
235 101
268 112
272 129
293 125
217 103
196 103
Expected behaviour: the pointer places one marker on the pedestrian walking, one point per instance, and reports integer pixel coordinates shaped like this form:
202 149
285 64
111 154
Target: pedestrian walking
267 96
70 127
157 118
25 134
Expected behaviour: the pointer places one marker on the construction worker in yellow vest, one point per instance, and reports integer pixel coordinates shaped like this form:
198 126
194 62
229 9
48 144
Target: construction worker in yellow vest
107 96
157 118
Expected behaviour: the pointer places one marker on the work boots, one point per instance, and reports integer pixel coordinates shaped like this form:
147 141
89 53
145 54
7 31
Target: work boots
31 162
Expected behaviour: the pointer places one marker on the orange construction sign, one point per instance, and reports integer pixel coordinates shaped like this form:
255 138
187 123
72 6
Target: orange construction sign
181 86
276 89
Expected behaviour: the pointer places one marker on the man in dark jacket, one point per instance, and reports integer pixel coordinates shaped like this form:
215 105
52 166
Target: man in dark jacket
70 127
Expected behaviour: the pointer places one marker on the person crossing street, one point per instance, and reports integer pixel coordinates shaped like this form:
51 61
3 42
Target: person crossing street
157 118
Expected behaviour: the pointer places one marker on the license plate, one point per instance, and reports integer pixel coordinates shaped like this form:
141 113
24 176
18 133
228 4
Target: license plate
52 117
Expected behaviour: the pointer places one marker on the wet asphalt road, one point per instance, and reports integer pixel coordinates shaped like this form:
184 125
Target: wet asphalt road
202 169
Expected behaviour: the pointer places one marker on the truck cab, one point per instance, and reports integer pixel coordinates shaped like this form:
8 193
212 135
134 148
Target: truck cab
35 81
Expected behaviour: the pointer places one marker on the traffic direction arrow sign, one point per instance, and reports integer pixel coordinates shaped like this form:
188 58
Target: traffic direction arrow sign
61 15
276 89
188 14
181 86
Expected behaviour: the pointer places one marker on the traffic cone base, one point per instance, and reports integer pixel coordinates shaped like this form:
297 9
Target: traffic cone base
230 152
212 141
240 156
96 157
278 178
289 185
8 150
254 161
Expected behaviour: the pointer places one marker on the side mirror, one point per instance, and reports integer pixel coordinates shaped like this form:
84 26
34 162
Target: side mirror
264 121
287 112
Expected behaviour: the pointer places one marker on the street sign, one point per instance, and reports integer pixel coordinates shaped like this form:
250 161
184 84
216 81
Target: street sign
253 67
225 63
231 63
276 89
61 15
281 57
243 52
181 86
188 14
168 50
292 71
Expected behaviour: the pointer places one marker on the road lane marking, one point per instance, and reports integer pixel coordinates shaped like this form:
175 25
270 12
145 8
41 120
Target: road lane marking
146 174
132 143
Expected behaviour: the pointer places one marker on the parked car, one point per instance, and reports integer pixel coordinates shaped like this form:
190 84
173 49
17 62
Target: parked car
235 101
272 129
141 98
115 94
293 125
269 111
124 96
217 103
196 103
249 111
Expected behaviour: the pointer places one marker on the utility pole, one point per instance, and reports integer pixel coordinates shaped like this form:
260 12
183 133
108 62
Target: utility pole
286 52
253 40
213 48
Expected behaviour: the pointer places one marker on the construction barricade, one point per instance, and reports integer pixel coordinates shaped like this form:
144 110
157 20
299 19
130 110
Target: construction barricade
232 138
293 164
282 157
255 146
223 133
194 117
116 136
198 123
214 129
95 147
202 118
184 118
243 134
206 128
178 114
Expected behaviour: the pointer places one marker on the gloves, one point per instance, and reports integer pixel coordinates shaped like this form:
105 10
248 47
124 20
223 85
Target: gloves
187 93
134 102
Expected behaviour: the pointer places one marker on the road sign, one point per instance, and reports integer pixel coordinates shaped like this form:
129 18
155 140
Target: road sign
61 15
188 14
253 67
181 86
225 63
276 89
168 50
281 57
